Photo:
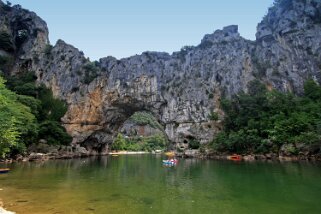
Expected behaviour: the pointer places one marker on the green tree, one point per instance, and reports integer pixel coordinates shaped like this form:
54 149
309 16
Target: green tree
119 143
8 134
17 121
261 121
54 133
312 90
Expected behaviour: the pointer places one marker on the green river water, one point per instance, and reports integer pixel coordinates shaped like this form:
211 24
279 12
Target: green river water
141 184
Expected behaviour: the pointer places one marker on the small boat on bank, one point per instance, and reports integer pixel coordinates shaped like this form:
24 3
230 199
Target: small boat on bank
235 157
3 171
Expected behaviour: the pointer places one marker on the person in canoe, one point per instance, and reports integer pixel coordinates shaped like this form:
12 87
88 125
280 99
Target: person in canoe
171 158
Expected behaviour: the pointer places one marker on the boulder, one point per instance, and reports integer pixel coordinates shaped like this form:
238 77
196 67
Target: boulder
288 150
249 157
38 157
191 153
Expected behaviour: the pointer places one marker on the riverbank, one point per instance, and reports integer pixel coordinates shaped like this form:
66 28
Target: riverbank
128 153
187 154
286 153
70 154
307 155
4 211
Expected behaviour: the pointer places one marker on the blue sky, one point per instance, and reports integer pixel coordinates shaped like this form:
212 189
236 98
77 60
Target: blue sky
123 28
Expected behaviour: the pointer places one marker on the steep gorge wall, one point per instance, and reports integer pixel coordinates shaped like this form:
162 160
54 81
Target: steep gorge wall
181 89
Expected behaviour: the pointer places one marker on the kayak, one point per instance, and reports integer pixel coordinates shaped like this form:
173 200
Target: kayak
171 161
6 170
235 157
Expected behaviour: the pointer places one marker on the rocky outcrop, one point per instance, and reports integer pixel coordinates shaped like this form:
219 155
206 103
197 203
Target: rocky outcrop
43 152
181 89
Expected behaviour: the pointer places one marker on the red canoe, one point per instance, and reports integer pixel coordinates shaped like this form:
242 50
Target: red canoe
235 157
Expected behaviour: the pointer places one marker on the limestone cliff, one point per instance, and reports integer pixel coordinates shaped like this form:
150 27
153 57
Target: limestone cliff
181 89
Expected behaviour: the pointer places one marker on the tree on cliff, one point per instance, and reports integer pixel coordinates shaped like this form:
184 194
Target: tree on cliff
262 120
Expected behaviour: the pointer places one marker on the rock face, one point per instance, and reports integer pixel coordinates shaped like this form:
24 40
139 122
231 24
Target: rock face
181 90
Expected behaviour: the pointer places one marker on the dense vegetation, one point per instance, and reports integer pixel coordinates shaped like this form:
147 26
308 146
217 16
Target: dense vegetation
28 113
262 121
142 143
155 142
145 118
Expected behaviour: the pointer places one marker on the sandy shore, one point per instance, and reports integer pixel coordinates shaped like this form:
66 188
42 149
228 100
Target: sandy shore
128 153
3 211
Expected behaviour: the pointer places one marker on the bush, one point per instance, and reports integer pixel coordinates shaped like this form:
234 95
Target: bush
194 144
91 72
6 62
31 102
155 142
48 49
29 89
54 133
6 42
145 118
51 108
119 143
213 116
151 143
312 90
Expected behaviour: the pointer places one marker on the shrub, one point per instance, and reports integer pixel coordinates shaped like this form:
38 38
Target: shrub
29 89
6 62
155 142
48 49
194 144
91 72
54 133
213 116
145 118
51 108
119 143
150 143
6 42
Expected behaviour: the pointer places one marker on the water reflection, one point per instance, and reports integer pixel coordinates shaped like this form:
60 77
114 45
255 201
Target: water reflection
141 184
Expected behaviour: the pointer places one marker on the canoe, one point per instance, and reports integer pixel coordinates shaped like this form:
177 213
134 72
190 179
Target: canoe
173 161
6 170
235 157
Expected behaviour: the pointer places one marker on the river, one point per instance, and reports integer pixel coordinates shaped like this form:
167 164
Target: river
141 184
